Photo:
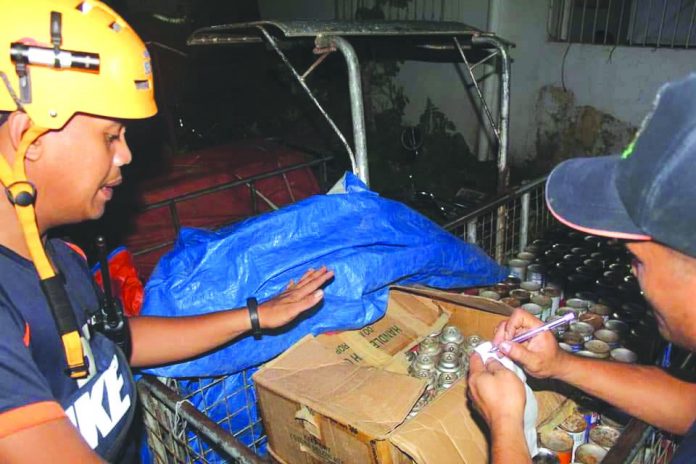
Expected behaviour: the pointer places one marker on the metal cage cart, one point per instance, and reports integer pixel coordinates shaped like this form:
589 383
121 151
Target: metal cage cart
179 432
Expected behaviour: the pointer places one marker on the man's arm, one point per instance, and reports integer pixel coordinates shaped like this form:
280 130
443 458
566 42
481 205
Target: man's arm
162 340
645 392
56 441
499 396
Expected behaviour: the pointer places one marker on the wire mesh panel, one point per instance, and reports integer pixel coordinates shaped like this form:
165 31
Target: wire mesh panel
204 420
504 227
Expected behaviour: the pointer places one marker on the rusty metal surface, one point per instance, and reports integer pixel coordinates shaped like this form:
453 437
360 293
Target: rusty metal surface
241 33
177 432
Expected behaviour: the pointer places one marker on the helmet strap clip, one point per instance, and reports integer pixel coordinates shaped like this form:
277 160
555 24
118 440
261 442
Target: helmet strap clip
21 193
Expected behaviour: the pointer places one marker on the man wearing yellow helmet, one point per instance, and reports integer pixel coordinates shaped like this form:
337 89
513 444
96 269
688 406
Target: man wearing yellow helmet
71 73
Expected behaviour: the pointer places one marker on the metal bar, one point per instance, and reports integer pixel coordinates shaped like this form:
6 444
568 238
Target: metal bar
309 93
647 23
175 216
500 227
483 61
314 65
252 192
211 432
504 124
570 20
621 17
171 202
662 23
582 21
606 23
634 6
524 221
691 26
471 231
495 203
484 105
356 101
676 23
236 183
594 23
289 189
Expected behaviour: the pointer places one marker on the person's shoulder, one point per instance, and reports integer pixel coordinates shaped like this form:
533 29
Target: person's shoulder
70 255
65 248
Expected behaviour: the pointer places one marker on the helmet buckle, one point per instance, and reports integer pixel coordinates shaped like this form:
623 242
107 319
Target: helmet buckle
22 193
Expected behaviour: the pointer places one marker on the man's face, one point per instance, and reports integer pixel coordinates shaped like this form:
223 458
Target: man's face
77 170
668 280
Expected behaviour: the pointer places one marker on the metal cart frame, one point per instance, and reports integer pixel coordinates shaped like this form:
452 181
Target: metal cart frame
176 429
473 46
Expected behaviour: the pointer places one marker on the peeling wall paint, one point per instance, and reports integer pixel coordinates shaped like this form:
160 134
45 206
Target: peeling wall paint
565 130
618 83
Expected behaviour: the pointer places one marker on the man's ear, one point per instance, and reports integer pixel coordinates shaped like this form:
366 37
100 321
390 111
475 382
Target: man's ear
18 123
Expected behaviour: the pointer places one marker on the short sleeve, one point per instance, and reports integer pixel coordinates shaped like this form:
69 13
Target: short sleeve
21 382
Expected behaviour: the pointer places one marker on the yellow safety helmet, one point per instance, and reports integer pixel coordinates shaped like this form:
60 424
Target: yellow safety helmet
61 57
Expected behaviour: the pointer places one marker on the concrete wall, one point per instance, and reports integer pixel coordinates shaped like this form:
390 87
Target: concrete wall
620 83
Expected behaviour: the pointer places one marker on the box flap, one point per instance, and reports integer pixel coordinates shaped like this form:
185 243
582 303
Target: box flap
448 431
313 375
484 304
384 343
445 431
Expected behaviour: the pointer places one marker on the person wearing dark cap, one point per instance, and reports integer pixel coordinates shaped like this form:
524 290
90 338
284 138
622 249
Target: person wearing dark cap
645 196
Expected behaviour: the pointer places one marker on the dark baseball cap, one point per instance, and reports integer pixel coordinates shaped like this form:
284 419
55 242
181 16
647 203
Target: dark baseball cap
646 193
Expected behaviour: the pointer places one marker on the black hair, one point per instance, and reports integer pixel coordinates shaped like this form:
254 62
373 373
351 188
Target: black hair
3 117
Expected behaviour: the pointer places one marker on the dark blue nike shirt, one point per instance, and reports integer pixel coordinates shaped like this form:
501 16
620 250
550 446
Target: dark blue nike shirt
32 362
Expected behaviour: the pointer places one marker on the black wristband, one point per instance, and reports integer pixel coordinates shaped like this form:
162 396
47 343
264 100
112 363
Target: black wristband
252 306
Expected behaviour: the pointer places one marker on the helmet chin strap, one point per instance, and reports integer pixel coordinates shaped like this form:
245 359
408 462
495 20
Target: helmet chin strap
22 195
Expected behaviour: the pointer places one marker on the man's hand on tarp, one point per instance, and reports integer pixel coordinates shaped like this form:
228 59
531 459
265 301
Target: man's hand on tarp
296 299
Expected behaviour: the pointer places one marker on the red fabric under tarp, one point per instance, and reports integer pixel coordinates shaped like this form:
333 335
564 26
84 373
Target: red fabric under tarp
208 168
125 284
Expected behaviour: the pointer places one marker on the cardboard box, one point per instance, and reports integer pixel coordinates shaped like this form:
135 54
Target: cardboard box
344 398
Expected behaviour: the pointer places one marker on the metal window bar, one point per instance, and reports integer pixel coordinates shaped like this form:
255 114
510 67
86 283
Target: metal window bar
424 10
640 23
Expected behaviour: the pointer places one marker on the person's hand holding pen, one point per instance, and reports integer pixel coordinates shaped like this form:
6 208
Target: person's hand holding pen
498 394
540 356
495 391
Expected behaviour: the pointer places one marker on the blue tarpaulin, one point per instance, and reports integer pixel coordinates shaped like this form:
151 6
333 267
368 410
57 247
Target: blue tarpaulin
369 242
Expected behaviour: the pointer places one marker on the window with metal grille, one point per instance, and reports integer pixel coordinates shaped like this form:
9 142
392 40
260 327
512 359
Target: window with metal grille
642 23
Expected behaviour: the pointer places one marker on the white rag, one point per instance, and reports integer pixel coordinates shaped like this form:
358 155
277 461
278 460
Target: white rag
530 407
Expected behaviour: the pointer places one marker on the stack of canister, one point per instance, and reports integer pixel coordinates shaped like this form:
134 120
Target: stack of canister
591 276
584 437
441 359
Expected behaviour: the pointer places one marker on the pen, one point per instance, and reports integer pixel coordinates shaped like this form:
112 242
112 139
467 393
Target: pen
523 337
